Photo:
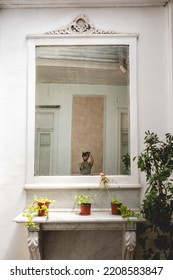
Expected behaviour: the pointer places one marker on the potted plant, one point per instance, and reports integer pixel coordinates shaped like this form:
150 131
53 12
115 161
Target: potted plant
115 205
40 207
156 161
115 202
84 201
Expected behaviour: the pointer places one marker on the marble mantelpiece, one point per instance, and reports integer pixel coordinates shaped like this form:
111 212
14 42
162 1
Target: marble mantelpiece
71 221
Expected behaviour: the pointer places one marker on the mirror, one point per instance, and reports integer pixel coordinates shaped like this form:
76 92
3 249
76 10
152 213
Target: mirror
82 105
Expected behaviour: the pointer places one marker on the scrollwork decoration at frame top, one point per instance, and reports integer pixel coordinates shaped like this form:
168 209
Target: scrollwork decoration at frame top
80 25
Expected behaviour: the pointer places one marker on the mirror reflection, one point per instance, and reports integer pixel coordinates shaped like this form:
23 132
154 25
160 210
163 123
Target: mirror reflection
82 110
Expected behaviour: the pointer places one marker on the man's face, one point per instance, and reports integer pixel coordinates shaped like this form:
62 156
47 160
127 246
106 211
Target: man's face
85 156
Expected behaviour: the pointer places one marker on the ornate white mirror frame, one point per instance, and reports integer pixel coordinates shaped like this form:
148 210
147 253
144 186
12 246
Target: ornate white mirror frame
81 32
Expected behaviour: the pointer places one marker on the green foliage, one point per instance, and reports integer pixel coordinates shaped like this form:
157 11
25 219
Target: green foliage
126 162
43 200
115 200
34 208
126 212
156 161
30 213
156 209
84 199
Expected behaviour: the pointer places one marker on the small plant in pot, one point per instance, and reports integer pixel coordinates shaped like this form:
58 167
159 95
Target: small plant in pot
115 202
115 205
84 201
40 207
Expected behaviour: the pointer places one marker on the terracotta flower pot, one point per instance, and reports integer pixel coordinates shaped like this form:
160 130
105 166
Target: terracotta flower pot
115 210
85 209
42 212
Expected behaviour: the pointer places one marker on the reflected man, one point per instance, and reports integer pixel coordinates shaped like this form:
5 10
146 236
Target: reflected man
87 163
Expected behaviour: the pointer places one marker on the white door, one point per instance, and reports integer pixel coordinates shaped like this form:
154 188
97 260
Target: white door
46 142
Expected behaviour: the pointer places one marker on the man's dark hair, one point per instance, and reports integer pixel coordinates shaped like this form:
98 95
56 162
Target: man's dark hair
84 154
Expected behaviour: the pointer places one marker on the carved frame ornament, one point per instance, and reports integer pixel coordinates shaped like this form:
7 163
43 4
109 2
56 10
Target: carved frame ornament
79 25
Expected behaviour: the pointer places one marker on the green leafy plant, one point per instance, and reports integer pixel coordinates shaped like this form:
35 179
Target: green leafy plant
115 200
126 212
84 199
122 209
156 161
115 204
43 200
39 206
126 162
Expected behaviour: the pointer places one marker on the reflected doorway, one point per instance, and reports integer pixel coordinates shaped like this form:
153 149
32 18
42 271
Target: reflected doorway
88 131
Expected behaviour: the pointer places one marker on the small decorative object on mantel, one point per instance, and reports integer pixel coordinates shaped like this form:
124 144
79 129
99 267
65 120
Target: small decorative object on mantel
104 181
84 201
40 207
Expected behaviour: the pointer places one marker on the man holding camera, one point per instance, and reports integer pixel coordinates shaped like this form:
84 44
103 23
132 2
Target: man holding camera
87 163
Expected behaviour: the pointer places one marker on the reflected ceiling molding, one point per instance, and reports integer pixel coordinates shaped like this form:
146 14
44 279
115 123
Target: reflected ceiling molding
80 25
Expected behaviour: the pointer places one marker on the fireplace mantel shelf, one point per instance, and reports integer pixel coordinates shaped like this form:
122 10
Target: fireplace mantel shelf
63 217
72 220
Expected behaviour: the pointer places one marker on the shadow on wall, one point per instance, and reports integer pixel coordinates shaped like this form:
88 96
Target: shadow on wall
17 248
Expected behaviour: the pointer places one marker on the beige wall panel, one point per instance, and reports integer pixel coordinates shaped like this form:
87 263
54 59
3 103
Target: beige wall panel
87 130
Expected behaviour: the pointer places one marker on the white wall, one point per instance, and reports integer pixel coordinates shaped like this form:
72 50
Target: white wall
153 93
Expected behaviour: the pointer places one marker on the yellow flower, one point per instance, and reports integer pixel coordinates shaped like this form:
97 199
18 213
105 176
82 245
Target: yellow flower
104 181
